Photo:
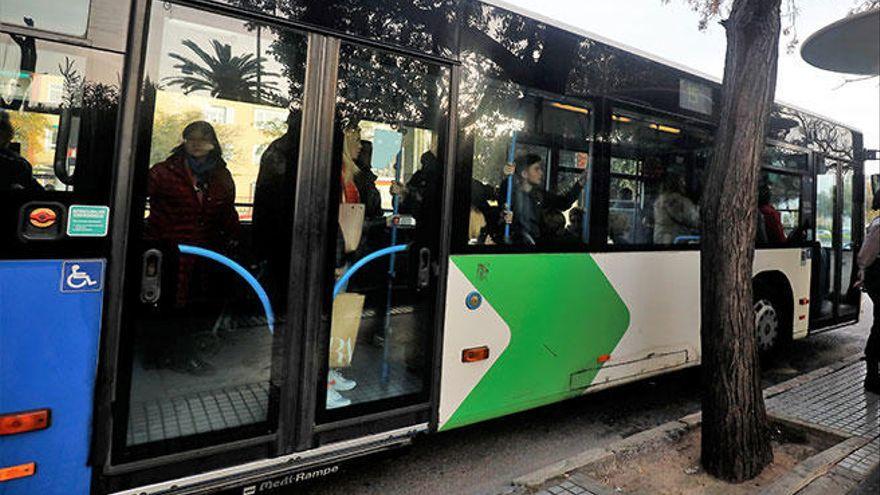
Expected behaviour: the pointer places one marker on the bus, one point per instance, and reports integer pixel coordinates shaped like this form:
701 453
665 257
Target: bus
260 238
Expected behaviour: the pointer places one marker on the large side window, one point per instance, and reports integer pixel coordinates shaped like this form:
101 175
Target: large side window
656 173
58 108
779 198
531 154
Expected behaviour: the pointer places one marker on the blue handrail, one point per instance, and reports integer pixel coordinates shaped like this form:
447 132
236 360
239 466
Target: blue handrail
241 271
363 261
508 201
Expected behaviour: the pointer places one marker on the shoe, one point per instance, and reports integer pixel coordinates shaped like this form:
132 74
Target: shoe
194 366
335 399
338 382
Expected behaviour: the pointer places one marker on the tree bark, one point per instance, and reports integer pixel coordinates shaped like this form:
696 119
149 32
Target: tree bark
735 433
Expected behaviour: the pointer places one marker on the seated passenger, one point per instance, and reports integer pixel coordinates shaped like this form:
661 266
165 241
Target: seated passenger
16 174
619 228
529 199
675 215
192 201
553 226
773 229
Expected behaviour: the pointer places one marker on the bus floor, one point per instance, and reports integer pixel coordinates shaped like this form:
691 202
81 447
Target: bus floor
167 404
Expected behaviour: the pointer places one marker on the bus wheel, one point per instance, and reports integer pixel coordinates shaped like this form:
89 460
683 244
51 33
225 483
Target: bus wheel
766 325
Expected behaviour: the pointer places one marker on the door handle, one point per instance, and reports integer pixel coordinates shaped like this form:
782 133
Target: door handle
424 277
151 276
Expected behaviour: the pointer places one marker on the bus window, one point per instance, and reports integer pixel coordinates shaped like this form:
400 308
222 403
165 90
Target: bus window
656 174
222 100
60 100
391 117
539 147
67 17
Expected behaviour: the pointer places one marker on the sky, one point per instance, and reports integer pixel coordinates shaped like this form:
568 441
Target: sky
670 31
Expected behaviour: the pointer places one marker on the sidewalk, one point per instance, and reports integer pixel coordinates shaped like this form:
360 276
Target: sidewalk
831 399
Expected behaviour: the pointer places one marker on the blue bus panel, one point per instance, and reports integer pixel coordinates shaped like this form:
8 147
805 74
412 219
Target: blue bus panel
50 317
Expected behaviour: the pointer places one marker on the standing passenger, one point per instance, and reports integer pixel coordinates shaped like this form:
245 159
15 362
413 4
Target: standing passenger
869 277
192 201
530 200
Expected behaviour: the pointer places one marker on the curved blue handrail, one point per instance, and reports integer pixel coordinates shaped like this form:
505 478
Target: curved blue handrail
241 271
363 261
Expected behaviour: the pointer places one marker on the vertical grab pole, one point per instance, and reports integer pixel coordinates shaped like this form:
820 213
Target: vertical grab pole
585 217
386 337
508 205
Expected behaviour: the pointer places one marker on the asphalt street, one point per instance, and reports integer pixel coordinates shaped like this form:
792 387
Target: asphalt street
482 459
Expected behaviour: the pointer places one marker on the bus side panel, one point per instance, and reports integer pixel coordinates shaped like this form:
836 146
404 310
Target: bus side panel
547 320
796 266
559 325
48 353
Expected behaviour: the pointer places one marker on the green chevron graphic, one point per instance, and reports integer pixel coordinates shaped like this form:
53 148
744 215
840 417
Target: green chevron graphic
563 314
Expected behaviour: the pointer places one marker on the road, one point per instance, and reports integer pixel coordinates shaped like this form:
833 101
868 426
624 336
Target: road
482 459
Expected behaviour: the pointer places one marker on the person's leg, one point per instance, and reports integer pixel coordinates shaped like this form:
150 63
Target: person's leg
872 349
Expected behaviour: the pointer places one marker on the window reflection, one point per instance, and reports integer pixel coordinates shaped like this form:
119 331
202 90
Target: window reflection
67 17
61 102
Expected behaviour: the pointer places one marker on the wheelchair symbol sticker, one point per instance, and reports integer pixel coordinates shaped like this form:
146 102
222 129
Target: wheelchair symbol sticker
82 276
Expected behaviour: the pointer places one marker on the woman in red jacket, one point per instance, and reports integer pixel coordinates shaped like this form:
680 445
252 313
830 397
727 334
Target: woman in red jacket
192 201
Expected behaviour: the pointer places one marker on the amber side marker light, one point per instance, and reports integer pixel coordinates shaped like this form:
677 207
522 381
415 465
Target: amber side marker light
604 358
475 354
11 424
20 471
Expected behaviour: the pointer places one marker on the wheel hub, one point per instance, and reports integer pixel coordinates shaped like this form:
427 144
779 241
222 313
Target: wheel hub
766 325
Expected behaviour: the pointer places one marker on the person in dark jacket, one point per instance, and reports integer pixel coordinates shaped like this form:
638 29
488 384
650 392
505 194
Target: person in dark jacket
274 196
530 200
16 173
869 278
192 201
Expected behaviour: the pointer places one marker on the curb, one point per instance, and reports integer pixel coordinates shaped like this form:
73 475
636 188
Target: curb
540 476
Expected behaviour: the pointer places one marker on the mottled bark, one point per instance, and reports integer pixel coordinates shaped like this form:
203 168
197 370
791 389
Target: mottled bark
735 439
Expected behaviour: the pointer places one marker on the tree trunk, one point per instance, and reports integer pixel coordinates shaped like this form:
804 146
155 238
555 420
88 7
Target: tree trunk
735 433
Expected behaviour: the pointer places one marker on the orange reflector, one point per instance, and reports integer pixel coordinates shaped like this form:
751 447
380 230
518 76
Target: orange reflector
802 317
20 471
604 358
10 424
804 301
475 354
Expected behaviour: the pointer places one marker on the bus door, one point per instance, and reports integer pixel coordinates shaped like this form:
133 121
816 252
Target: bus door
834 300
385 202
284 244
205 332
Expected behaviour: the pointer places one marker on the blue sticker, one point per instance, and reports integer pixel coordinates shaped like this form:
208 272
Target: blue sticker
473 300
82 276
